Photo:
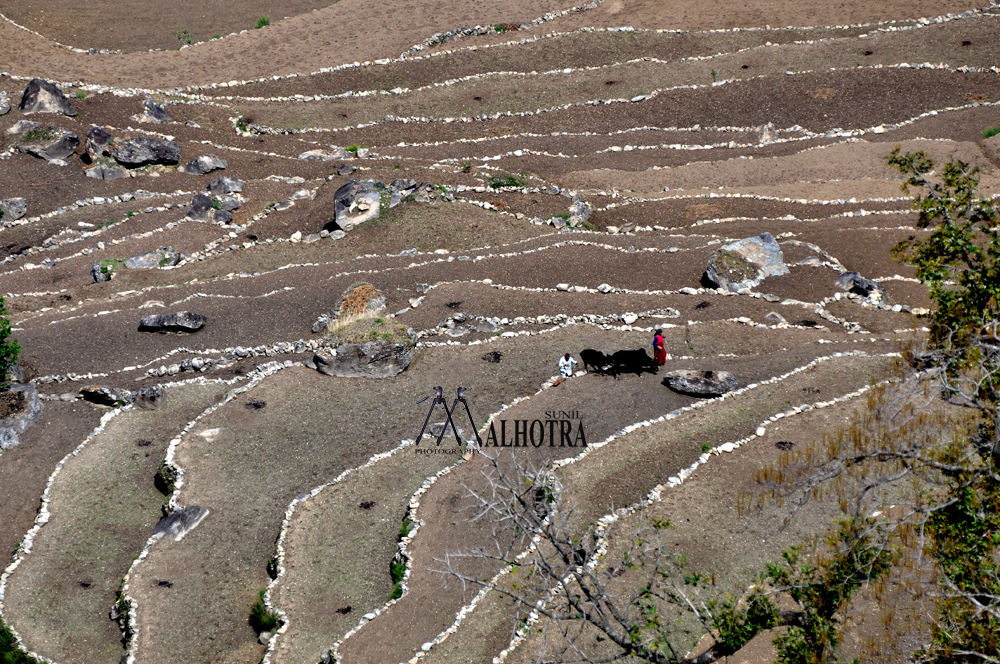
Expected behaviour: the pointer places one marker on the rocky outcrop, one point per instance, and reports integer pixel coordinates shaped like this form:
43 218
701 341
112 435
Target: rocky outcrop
855 283
369 360
142 151
21 127
13 208
182 321
204 164
97 142
746 263
180 523
103 395
23 405
361 299
355 203
162 257
43 97
49 143
701 383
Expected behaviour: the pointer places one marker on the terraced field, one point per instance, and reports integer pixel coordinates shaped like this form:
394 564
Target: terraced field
583 165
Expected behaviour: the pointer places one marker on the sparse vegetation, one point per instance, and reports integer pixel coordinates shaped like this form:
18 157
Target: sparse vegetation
262 22
9 349
498 181
184 36
81 94
991 132
9 652
263 619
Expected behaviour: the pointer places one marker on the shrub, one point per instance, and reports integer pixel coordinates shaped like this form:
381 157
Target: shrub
263 619
9 652
497 181
9 349
81 94
991 132
262 21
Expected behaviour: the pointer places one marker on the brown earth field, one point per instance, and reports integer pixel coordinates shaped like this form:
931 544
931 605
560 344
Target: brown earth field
557 181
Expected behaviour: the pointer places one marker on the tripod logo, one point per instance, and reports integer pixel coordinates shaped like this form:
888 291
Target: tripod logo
448 412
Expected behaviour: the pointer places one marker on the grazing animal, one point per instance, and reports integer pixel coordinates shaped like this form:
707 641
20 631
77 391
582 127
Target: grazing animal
634 361
596 359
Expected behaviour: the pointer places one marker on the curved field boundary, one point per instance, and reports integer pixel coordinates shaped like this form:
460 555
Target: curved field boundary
673 481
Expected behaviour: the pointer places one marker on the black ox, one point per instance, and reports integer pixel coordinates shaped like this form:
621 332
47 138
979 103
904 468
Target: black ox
623 361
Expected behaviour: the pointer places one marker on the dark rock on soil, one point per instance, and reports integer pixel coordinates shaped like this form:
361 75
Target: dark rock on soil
223 216
13 208
371 360
153 112
746 263
135 152
180 523
49 143
182 321
700 383
103 395
159 258
43 97
98 275
106 172
21 405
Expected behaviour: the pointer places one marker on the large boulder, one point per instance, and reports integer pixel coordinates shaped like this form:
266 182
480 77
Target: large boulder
97 142
43 97
700 383
203 164
150 398
182 321
13 208
355 203
162 257
855 283
745 263
374 359
103 395
135 152
49 143
4 104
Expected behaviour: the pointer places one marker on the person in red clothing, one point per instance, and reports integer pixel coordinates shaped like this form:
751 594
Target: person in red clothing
659 350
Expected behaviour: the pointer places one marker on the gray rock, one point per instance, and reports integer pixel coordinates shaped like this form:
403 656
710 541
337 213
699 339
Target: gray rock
180 523
403 187
203 164
264 638
150 398
99 275
436 429
230 202
97 142
27 406
201 208
371 360
182 321
21 127
745 263
855 283
43 97
4 105
775 318
319 155
345 169
13 208
606 288
106 172
161 257
15 374
152 112
135 152
701 383
223 216
49 143
8 438
107 396
355 203
766 134
224 185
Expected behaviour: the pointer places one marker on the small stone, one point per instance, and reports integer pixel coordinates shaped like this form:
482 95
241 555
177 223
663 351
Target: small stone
203 164
761 431
562 287
13 208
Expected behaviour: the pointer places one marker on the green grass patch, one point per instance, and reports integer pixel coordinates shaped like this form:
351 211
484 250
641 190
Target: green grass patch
363 330
9 652
263 619
262 21
111 265
39 134
991 132
355 148
497 181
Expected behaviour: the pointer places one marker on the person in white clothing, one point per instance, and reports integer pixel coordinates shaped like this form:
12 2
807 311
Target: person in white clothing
566 365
